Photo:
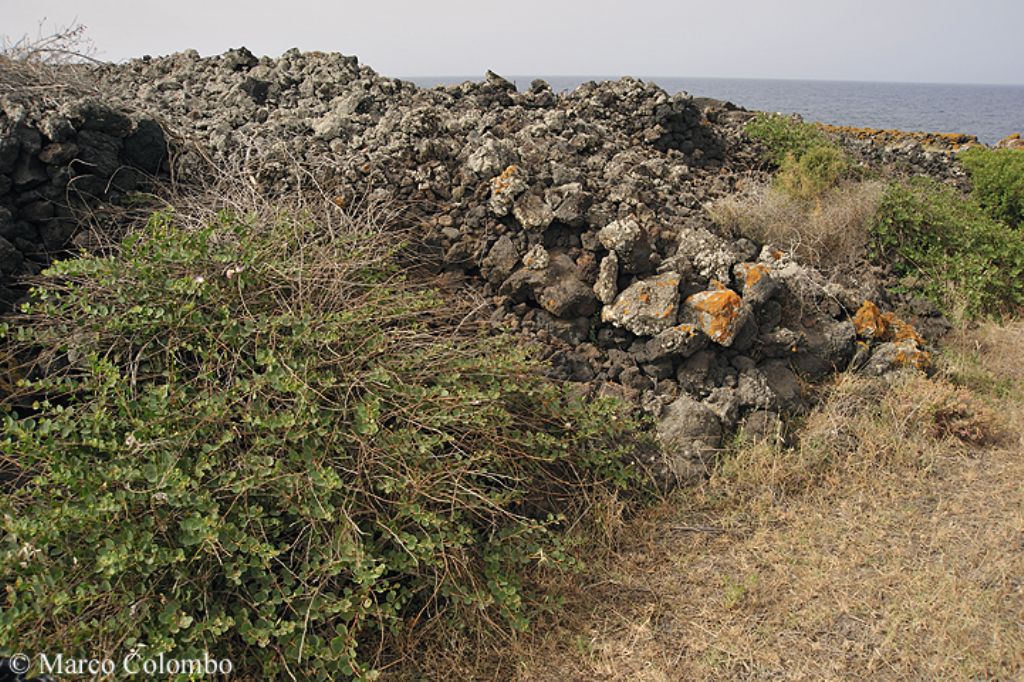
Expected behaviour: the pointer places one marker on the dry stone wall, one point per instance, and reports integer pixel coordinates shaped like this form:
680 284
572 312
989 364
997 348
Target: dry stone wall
54 164
578 217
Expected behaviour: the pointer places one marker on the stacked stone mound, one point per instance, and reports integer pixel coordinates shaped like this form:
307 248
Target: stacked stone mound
56 162
578 216
907 153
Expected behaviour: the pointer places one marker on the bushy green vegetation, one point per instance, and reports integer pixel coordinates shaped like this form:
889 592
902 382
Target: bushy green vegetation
959 255
256 439
998 178
784 136
810 162
809 176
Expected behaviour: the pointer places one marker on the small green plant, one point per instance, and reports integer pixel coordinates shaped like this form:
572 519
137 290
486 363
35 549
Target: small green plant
256 439
998 179
810 162
960 256
812 174
735 591
784 136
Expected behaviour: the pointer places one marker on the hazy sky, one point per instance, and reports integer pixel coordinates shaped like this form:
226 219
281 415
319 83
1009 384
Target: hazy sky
979 41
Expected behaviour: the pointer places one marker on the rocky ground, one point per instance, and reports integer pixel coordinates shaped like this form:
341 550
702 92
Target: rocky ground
577 218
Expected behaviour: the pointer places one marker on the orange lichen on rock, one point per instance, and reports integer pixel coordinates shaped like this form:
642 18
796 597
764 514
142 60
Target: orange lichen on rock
915 357
754 275
906 332
647 307
942 141
1012 141
718 312
504 181
871 322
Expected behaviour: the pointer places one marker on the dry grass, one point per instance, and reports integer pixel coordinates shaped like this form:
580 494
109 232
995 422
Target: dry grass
825 232
888 545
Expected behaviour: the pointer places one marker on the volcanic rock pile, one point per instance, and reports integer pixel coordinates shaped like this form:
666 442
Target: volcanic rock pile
55 163
578 216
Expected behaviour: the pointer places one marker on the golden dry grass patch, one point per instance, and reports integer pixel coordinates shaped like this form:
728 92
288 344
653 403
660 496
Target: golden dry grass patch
827 231
888 545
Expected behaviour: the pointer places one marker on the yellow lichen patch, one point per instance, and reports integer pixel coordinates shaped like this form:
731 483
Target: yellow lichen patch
504 181
915 357
872 322
668 282
906 332
943 141
754 275
1012 141
668 311
722 308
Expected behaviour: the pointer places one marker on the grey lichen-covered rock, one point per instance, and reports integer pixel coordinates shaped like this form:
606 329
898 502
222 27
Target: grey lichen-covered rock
893 356
690 434
753 390
627 240
726 403
491 157
532 212
712 257
620 236
681 340
646 307
505 188
606 286
537 258
570 203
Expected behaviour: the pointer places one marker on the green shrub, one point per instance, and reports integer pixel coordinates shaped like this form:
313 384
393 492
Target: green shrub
786 136
998 178
255 439
810 162
960 255
809 176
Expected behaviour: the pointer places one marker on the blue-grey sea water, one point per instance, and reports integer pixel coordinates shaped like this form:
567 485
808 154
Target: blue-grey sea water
989 111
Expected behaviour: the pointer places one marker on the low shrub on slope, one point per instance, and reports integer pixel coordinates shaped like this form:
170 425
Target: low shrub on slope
255 439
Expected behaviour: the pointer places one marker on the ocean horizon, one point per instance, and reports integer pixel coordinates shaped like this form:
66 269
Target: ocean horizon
990 112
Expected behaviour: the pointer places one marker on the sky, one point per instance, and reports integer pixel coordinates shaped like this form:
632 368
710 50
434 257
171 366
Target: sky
941 41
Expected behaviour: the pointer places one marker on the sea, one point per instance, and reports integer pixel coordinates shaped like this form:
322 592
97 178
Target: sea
990 112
